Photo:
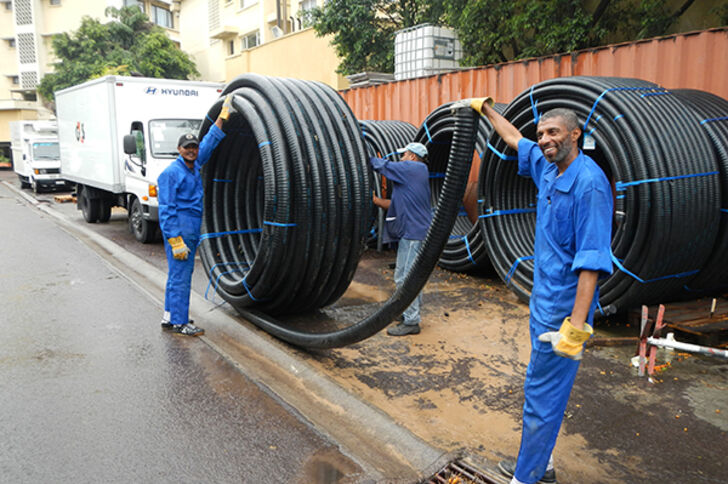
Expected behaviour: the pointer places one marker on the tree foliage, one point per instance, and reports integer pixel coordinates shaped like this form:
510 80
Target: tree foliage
363 30
495 31
128 44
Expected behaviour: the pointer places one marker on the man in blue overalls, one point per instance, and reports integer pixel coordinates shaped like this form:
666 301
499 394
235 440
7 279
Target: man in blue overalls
572 249
408 218
180 217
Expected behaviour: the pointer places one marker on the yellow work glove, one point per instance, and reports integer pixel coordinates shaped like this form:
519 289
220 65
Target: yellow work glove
477 103
180 251
568 341
227 107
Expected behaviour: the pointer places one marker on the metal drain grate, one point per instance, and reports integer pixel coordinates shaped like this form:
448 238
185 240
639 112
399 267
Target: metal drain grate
460 472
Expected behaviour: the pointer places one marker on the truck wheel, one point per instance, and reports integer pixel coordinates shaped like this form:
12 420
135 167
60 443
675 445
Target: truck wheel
105 211
36 187
23 182
144 231
89 208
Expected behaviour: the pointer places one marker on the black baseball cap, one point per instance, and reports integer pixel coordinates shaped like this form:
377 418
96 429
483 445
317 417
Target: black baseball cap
187 139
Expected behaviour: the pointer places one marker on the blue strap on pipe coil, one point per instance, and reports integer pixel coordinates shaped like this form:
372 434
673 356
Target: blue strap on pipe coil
496 213
467 247
599 98
647 281
621 186
534 107
515 266
500 155
712 120
214 235
221 180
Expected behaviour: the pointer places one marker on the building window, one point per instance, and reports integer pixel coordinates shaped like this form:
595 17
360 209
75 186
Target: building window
134 3
247 3
11 43
162 17
251 40
55 2
231 47
15 80
304 12
8 5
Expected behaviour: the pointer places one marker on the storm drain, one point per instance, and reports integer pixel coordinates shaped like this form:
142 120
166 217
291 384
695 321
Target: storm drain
460 472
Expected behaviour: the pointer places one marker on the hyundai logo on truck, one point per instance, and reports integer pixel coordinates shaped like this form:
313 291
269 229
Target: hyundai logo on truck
165 91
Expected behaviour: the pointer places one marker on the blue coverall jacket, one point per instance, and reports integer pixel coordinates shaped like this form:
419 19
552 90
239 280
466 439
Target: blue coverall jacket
180 214
573 233
409 214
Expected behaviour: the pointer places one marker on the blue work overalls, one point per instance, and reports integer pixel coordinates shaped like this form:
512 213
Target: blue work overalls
573 233
180 214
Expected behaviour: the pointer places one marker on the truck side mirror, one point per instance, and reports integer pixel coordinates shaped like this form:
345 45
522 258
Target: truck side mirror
130 145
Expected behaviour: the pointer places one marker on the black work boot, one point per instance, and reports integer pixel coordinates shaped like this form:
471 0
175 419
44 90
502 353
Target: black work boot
188 329
402 329
166 325
508 468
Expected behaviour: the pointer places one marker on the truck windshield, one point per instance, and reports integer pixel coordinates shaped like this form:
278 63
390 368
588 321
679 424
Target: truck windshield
164 134
46 151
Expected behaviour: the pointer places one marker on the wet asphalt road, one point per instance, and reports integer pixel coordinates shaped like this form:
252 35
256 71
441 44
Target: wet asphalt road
92 391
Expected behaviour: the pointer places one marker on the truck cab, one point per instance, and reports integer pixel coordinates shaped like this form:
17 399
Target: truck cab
36 155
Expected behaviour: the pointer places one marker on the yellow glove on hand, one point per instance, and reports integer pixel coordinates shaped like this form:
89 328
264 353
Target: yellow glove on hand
477 103
227 107
568 341
180 251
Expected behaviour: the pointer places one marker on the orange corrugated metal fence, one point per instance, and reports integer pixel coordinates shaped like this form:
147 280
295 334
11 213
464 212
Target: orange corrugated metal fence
693 60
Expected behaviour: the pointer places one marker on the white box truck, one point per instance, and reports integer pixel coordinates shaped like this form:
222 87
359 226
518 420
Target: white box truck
36 157
93 119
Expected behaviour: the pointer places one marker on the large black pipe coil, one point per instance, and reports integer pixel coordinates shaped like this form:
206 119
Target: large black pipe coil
712 111
287 207
383 139
465 250
665 175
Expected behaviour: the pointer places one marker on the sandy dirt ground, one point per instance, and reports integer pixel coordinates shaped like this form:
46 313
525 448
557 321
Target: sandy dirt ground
458 384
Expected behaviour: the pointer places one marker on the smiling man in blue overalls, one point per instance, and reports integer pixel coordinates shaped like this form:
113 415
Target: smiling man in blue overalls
572 249
180 217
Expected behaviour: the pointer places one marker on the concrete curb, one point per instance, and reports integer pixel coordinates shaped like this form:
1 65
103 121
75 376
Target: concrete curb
387 451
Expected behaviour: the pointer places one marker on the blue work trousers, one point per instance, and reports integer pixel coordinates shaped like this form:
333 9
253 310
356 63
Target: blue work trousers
549 379
179 275
406 254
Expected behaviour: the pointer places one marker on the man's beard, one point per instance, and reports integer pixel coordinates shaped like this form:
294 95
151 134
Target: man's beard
562 151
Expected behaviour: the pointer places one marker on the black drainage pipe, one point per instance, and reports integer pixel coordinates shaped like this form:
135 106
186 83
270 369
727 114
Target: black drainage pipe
287 204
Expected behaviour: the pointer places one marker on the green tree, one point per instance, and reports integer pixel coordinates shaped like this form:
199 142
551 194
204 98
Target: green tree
129 44
495 31
363 30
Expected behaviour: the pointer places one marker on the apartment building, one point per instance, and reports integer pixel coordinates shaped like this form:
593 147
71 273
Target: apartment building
227 38
26 55
224 37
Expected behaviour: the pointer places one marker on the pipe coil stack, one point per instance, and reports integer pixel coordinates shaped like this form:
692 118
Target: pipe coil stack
288 204
664 172
288 198
713 111
383 139
465 249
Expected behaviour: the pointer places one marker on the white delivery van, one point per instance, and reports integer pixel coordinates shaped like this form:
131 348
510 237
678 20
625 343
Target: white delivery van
93 119
36 158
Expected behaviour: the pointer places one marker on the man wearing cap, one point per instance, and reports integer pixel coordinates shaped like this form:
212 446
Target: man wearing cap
180 217
408 218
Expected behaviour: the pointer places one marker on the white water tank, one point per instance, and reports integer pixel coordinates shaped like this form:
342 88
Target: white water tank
424 50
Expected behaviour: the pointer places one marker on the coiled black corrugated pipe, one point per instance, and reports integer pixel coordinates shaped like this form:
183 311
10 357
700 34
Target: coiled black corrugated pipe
383 139
465 250
667 194
712 111
287 203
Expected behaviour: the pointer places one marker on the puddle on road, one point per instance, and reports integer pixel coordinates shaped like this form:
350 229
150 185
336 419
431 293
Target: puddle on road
329 466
